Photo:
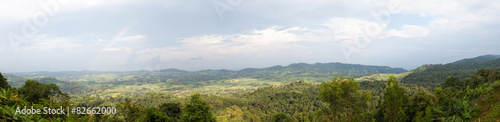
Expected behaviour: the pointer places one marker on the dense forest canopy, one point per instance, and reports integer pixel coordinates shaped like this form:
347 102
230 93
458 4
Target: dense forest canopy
433 75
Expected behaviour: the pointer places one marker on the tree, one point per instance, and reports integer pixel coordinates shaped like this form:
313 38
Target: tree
34 91
453 83
394 100
420 105
130 110
401 116
197 110
171 109
3 82
344 96
153 115
282 117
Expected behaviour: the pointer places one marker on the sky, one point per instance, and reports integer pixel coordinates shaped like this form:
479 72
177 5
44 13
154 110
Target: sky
125 35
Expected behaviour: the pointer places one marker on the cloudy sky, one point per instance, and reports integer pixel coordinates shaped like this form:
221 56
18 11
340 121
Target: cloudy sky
122 35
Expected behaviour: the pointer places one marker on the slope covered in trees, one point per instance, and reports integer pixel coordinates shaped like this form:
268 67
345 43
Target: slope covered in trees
434 75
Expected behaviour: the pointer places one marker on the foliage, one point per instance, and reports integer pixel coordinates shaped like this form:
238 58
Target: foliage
34 91
434 75
3 82
171 109
420 106
395 100
346 102
282 117
129 110
153 115
197 110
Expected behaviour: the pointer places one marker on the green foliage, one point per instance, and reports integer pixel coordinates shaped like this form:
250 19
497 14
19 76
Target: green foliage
395 100
3 82
420 106
197 110
297 99
129 110
346 102
34 91
10 97
171 109
456 99
153 115
434 75
401 116
453 83
489 102
282 117
482 76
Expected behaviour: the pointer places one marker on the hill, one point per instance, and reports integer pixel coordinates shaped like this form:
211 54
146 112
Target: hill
299 71
180 82
435 74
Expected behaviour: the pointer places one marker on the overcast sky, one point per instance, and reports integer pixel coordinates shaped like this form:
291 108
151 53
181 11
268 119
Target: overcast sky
123 35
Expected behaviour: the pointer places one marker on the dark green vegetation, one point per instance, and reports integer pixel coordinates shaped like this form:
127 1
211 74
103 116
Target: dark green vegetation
434 75
380 98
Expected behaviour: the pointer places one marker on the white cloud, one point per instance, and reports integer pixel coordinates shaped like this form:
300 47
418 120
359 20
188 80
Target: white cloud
218 47
453 15
215 47
202 40
164 54
118 49
408 31
43 43
27 9
270 36
132 38
350 28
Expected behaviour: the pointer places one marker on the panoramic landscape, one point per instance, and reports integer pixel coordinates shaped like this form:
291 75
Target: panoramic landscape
249 61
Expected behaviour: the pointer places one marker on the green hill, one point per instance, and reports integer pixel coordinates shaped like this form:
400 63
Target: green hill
435 74
300 71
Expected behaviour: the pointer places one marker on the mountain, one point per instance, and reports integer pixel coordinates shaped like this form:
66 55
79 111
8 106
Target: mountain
311 72
478 59
436 74
318 70
173 70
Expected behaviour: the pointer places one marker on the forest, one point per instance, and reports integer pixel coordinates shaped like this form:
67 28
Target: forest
294 93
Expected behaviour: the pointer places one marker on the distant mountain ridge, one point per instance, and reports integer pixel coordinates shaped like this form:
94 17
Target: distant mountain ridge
292 72
354 70
301 66
478 59
435 74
